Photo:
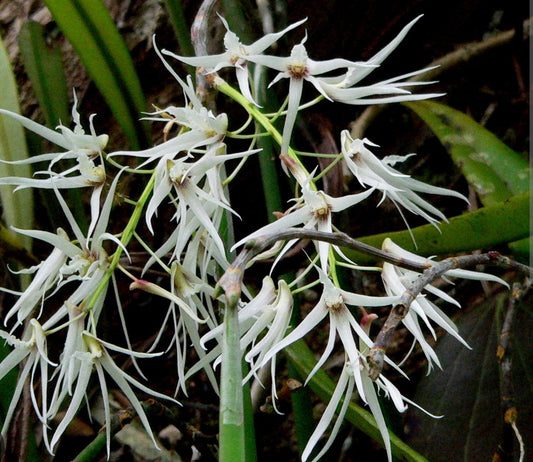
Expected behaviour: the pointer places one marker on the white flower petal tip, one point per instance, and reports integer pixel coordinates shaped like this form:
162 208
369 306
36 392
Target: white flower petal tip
398 280
401 189
236 55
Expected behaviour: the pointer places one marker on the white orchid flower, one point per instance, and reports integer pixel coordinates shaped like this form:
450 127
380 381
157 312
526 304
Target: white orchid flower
357 374
384 92
236 55
248 315
401 189
182 176
84 262
332 304
340 88
33 350
212 131
90 175
204 129
344 391
398 280
47 275
313 210
269 312
298 67
82 147
94 356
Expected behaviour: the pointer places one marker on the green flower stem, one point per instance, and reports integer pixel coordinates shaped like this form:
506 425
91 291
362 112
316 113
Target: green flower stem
127 234
269 174
231 425
222 86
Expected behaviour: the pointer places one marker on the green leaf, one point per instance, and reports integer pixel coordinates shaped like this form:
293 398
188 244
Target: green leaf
17 208
467 391
44 67
498 224
494 170
181 28
91 31
303 359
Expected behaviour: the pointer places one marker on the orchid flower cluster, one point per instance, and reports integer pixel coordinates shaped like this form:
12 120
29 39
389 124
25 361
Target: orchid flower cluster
189 174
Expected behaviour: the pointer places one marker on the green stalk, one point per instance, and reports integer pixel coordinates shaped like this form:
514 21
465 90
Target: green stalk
222 86
181 29
127 234
267 164
249 424
231 425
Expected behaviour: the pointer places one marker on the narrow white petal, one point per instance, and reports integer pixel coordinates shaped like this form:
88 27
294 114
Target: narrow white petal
328 415
295 94
265 42
317 314
50 135
81 387
59 241
288 221
375 408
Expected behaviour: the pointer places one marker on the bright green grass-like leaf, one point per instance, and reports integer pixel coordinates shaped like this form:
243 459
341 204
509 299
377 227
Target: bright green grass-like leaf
17 208
44 67
303 359
494 170
498 224
181 28
91 31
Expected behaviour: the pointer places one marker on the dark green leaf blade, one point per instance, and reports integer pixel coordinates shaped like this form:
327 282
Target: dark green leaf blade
494 170
91 31
484 228
467 391
44 67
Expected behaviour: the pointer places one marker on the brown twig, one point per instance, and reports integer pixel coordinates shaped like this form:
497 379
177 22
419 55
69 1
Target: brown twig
231 280
504 356
376 355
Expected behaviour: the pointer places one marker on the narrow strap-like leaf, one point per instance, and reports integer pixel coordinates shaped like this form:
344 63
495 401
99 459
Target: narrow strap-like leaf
17 208
44 67
492 168
484 228
91 31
